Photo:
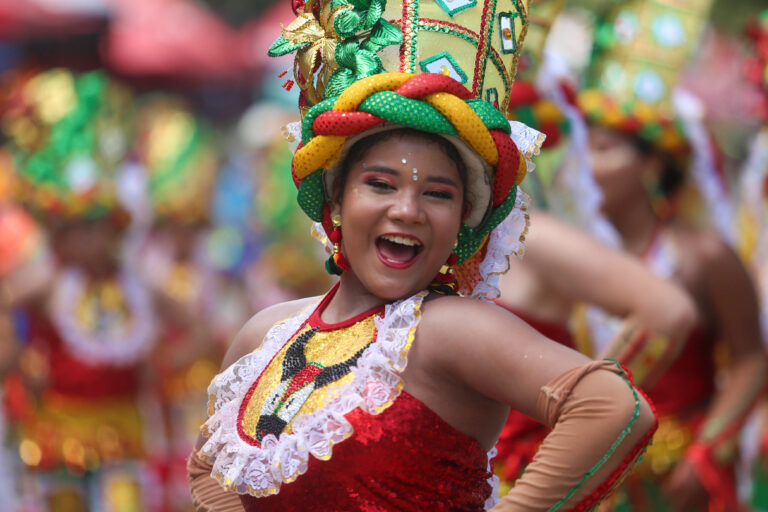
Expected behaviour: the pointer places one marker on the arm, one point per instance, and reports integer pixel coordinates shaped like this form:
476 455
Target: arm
554 385
658 313
733 302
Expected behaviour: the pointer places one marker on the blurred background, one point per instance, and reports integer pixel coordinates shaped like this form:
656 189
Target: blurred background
147 210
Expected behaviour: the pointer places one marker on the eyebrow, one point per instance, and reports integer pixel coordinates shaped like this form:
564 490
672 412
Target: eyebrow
431 179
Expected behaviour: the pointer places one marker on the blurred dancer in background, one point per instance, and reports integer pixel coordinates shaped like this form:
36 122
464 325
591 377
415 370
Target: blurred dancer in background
637 146
548 286
178 153
73 402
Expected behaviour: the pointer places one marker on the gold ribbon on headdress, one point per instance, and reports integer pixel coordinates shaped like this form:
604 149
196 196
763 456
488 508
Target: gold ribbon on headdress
322 36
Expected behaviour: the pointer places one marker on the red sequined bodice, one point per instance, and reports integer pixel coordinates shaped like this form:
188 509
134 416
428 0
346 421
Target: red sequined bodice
404 459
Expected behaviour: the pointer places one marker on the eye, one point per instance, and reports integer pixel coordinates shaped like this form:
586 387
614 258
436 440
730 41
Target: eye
440 194
379 184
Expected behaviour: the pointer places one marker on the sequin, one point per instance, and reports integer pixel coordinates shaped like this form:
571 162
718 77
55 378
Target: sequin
324 349
404 459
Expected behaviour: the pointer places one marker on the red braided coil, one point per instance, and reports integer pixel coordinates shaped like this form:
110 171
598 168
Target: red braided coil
429 83
335 122
507 169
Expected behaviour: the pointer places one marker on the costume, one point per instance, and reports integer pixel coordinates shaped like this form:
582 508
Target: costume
73 403
299 413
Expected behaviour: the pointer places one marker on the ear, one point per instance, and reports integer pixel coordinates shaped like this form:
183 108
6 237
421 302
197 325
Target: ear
653 165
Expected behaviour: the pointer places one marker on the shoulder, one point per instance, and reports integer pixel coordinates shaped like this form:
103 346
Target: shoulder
255 329
455 320
707 250
717 265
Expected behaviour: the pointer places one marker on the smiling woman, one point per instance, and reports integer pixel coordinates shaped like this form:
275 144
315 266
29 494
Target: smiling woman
413 223
389 392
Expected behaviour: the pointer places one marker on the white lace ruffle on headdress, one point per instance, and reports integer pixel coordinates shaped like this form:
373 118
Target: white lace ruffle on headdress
261 470
703 169
574 196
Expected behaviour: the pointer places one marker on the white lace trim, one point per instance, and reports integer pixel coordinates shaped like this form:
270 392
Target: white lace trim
493 481
507 239
260 471
527 140
574 195
115 342
703 168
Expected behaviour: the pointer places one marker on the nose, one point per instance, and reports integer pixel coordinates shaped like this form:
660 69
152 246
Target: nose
407 208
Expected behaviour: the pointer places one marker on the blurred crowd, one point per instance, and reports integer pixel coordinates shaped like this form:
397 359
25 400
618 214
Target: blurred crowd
147 210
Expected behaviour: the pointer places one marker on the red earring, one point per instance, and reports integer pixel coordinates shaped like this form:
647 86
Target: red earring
336 264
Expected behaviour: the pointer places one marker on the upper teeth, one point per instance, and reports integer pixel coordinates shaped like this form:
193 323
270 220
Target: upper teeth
400 240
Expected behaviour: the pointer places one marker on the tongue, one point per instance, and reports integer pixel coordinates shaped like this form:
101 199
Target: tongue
396 252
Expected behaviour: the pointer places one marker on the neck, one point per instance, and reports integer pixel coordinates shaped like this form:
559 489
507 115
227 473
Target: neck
351 299
636 222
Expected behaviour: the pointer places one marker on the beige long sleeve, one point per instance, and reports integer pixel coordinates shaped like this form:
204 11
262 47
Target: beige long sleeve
600 425
207 494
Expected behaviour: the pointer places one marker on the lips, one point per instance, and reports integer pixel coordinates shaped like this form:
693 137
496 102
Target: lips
398 250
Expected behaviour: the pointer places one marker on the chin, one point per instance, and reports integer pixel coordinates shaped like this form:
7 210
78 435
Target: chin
392 289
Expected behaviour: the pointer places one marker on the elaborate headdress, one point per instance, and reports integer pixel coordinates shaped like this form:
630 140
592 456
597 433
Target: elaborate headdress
67 134
442 66
176 149
639 51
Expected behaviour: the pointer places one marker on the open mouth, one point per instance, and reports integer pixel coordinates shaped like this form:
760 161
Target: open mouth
397 250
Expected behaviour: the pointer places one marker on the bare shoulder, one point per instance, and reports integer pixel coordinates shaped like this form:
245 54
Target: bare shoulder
709 251
453 320
252 334
456 312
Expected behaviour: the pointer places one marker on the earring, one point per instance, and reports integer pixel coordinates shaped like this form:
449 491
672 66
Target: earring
336 264
445 282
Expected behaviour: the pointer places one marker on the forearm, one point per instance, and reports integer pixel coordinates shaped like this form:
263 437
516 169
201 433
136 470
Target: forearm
646 354
600 423
732 404
207 494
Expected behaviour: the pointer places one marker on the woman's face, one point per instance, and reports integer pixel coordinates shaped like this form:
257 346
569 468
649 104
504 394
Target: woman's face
618 165
401 209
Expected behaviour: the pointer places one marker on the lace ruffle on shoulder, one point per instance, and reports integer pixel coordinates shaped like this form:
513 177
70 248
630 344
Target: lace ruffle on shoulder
260 471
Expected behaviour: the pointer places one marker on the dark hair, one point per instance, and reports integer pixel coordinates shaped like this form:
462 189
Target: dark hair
672 174
360 149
